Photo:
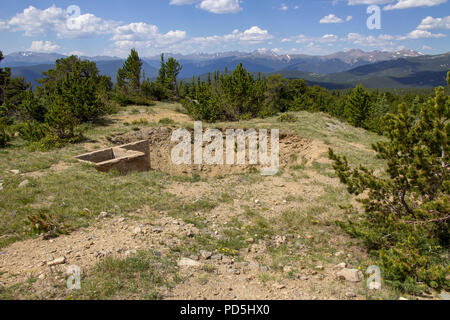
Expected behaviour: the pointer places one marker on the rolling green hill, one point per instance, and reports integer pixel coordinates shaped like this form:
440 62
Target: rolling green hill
418 72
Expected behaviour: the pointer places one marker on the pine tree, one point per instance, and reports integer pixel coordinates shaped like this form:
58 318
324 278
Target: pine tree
358 106
407 208
161 79
74 101
129 76
275 95
5 77
173 69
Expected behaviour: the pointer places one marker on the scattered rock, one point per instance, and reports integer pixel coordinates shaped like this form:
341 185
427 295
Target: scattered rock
194 257
87 246
250 240
57 261
102 253
402 298
216 257
103 215
350 294
279 240
352 275
339 253
319 277
137 230
287 269
445 296
130 252
14 171
303 278
234 271
279 286
24 183
320 267
264 268
205 254
186 262
227 260
1 186
342 265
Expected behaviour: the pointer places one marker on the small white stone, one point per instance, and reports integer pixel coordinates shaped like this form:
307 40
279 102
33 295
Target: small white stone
352 275
24 183
57 261
137 230
340 266
186 262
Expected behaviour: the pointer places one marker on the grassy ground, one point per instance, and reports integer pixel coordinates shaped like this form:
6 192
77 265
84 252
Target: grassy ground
75 194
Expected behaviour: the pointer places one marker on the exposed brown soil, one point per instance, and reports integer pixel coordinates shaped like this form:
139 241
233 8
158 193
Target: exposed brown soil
293 149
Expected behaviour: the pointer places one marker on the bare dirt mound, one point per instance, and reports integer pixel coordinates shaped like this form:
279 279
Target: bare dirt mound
294 150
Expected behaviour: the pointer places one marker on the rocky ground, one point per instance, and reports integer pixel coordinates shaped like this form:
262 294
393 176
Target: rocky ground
212 234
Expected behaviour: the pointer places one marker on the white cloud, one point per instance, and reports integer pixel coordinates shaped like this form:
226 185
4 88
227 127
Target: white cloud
43 46
329 38
76 53
143 35
331 18
253 35
368 2
406 4
434 23
284 7
384 41
220 6
34 22
421 34
399 4
150 41
349 18
182 2
214 6
3 25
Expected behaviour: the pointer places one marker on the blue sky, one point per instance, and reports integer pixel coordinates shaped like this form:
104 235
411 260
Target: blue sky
113 27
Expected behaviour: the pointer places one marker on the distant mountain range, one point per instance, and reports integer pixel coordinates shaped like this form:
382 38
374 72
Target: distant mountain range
421 71
405 68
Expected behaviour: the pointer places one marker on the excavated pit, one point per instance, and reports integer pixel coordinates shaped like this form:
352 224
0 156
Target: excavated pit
294 150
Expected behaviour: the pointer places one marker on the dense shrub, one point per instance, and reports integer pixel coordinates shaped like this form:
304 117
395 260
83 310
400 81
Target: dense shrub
287 117
33 131
227 97
4 135
407 207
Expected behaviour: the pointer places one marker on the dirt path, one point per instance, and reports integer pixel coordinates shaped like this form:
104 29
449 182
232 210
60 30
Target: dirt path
279 266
